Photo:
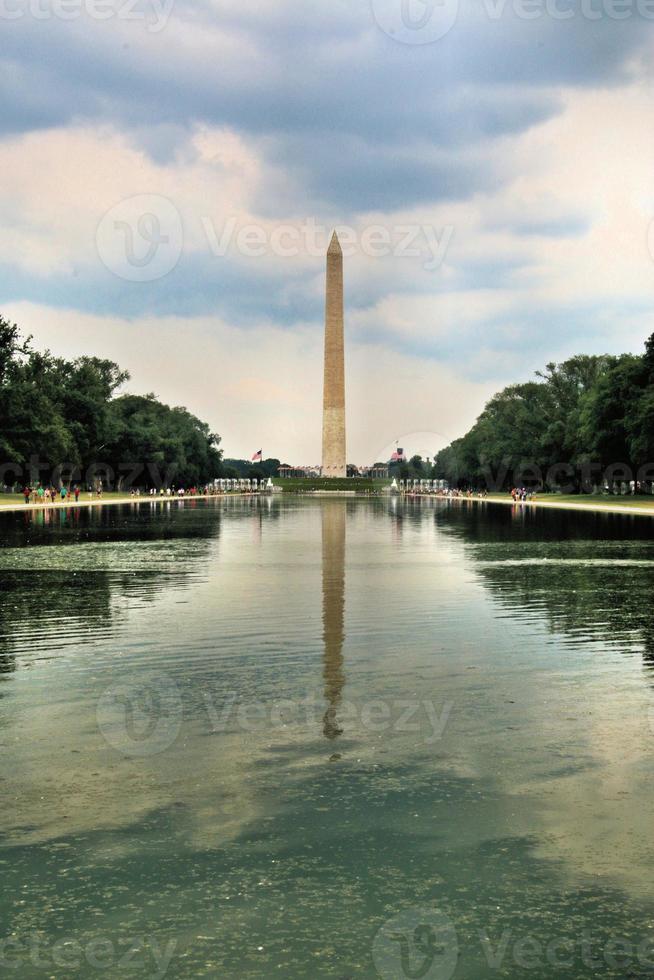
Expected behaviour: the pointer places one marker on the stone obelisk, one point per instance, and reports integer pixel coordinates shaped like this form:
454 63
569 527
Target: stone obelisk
333 406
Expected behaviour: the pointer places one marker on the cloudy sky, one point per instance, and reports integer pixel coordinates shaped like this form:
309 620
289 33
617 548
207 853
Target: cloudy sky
171 173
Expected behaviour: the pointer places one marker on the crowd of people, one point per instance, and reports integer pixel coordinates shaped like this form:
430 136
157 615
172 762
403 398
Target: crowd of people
46 494
210 490
51 495
521 495
448 494
518 494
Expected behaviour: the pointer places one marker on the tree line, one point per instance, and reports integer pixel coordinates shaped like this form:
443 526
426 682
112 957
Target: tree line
63 421
584 425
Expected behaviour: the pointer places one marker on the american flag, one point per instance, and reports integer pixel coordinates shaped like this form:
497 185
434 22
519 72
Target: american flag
397 455
258 455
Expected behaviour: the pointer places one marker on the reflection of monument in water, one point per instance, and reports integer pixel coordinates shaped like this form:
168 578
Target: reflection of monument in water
333 610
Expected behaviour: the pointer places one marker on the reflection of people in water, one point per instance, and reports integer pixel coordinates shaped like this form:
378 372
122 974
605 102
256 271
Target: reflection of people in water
333 610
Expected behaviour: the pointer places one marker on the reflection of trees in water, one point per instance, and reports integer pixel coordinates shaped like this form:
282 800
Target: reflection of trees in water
334 515
43 609
589 596
478 522
143 521
588 602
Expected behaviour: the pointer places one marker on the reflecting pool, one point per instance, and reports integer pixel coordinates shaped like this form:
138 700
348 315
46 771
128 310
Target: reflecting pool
297 738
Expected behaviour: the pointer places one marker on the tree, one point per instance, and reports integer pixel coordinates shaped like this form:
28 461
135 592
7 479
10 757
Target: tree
639 419
608 426
156 445
86 388
567 385
588 409
63 418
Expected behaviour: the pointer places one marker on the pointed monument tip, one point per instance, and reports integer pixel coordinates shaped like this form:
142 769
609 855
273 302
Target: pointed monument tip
334 245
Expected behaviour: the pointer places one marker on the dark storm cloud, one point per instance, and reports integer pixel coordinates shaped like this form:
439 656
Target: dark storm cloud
345 121
297 73
242 293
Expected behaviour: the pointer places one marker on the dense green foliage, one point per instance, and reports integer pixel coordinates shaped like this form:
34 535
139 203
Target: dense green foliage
415 468
63 421
584 424
245 469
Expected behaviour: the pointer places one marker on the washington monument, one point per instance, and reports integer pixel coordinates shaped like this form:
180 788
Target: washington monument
333 406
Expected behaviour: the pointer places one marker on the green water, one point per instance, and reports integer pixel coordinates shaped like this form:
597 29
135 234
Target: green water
340 739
